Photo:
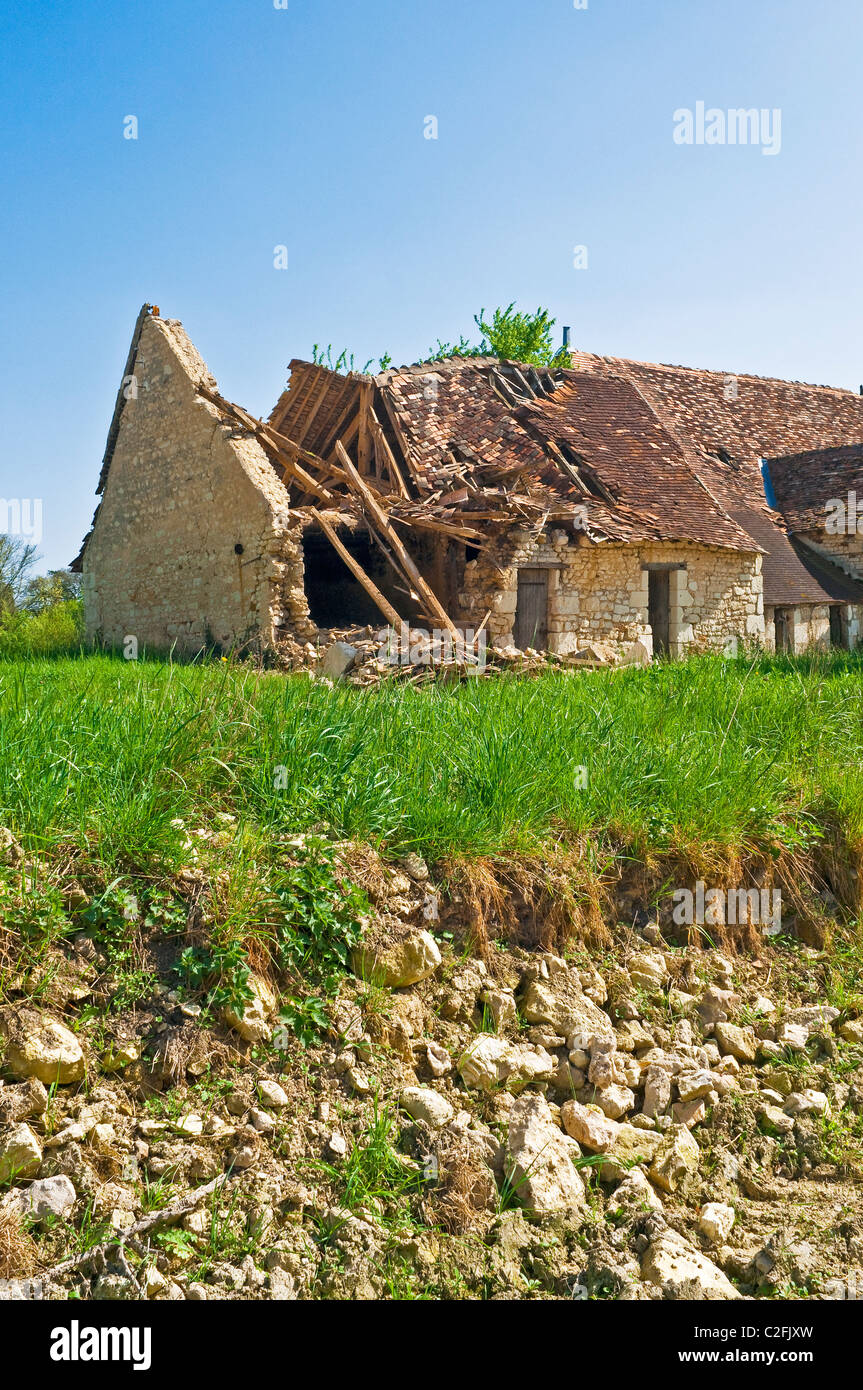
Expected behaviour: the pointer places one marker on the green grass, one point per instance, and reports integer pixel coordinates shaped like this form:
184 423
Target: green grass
58 629
103 755
107 753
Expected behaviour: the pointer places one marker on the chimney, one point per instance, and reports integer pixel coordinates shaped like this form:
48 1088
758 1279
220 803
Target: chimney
568 331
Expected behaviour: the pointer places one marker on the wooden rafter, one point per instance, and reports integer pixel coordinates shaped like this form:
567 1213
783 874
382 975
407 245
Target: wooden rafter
364 441
385 456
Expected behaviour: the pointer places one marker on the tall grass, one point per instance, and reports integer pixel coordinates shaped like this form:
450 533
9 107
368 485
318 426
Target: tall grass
104 755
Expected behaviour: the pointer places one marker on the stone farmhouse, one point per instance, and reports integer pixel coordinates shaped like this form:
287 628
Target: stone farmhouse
652 509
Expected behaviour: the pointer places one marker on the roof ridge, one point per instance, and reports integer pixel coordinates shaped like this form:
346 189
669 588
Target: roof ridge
712 371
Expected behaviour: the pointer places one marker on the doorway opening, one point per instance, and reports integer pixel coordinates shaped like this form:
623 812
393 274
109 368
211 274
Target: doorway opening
659 610
838 626
783 629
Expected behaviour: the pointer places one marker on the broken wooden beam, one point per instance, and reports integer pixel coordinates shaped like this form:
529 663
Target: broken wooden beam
385 455
381 523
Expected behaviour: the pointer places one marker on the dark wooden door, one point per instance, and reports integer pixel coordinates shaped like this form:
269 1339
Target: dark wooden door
531 613
838 636
659 609
782 630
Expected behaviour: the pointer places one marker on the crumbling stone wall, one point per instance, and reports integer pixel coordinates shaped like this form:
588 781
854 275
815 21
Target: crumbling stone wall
191 543
600 592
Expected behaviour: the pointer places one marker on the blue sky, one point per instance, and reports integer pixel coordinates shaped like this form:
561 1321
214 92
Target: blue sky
304 127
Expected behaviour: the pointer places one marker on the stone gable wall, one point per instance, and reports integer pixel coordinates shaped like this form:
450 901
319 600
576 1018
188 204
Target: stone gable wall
183 490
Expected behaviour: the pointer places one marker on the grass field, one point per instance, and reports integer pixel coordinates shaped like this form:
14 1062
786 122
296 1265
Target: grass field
100 756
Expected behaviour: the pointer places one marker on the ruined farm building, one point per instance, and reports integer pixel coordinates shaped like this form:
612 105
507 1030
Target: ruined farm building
643 507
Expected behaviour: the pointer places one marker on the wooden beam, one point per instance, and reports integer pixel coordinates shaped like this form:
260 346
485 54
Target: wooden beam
356 569
382 524
385 455
364 446
424 523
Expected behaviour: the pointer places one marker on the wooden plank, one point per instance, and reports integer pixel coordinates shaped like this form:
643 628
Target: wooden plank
382 524
356 569
337 430
364 445
387 457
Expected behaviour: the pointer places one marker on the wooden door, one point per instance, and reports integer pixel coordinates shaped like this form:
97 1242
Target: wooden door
783 640
531 613
659 609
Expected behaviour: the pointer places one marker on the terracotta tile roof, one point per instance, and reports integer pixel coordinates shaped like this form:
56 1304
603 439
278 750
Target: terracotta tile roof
804 483
791 573
455 422
648 473
768 417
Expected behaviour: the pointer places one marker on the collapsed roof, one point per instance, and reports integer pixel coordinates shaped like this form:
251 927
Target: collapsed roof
488 441
620 451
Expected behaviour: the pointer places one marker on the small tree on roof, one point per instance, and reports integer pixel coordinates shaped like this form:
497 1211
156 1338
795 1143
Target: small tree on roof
510 336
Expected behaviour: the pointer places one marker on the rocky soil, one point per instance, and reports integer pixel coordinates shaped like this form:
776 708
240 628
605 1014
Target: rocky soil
647 1121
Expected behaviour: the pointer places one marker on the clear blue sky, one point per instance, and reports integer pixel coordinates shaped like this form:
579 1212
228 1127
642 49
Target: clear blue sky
304 127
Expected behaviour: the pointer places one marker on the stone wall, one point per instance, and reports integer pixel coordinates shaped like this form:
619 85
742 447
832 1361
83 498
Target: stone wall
845 549
600 592
190 545
810 623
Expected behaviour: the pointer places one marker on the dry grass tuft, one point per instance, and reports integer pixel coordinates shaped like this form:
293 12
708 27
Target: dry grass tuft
538 902
466 1192
18 1250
